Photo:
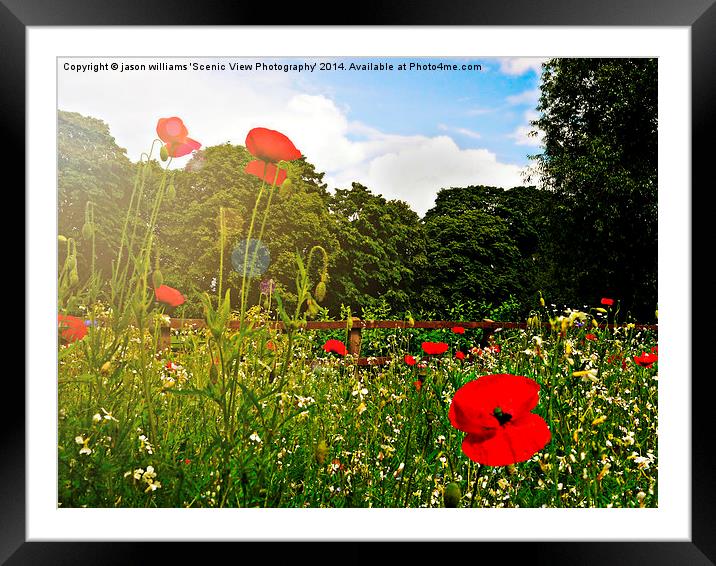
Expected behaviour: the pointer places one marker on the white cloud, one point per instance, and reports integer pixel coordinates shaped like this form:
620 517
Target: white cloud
521 133
527 98
464 131
520 65
477 111
416 172
223 107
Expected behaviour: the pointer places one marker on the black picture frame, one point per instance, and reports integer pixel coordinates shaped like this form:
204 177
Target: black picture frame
698 15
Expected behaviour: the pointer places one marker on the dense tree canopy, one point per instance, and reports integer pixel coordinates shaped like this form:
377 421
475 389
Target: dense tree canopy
381 245
599 118
189 230
483 246
91 168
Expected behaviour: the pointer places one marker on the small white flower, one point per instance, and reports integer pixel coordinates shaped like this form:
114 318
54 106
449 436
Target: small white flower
107 416
255 438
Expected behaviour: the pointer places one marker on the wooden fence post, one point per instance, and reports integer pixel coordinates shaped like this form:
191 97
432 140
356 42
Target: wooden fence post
165 338
354 337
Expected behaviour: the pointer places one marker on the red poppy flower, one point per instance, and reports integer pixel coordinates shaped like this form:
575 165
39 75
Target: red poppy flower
646 360
435 348
591 337
71 328
271 346
174 134
655 349
265 171
335 346
410 360
495 348
607 302
169 296
417 384
171 366
180 149
460 355
458 330
271 146
495 412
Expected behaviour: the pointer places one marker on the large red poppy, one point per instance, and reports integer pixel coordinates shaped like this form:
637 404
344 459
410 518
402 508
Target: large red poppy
169 296
335 346
265 171
435 348
271 146
71 328
175 135
646 360
410 360
608 302
458 330
495 412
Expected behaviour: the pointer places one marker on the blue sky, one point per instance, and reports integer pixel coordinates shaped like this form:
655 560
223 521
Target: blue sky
489 103
404 134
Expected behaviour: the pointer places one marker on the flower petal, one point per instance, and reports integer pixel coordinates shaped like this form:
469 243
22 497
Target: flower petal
270 145
474 403
71 328
171 130
169 295
515 442
182 148
265 171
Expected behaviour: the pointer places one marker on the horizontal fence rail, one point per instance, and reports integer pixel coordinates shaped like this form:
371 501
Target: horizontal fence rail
357 325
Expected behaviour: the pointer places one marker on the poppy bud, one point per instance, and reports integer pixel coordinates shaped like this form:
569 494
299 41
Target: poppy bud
312 307
320 292
87 231
287 184
106 366
452 495
157 278
74 276
61 239
321 452
164 153
171 191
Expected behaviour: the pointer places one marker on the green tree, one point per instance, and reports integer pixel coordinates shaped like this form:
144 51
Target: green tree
189 229
91 167
381 246
599 118
483 245
493 226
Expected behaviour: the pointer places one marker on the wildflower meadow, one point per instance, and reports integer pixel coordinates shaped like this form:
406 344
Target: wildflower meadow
251 393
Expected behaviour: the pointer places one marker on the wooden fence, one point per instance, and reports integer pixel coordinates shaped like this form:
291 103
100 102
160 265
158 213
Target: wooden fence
358 325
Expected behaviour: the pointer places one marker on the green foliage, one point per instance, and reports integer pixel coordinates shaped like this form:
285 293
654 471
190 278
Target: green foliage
599 118
485 244
382 245
91 168
189 231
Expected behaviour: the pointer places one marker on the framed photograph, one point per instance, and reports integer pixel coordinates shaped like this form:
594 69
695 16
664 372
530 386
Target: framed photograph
292 264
